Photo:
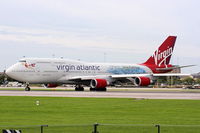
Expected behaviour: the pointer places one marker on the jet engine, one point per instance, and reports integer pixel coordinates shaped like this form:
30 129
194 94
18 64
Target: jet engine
98 83
142 81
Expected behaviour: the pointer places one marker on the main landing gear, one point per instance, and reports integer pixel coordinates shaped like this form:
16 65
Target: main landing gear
79 88
27 88
97 89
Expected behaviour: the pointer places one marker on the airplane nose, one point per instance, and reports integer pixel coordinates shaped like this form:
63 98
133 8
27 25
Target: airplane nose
14 72
9 72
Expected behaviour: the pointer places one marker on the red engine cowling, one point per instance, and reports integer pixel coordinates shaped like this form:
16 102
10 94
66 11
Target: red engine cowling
142 81
98 83
51 85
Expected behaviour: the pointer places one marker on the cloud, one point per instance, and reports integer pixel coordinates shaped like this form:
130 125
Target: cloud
123 26
88 39
83 38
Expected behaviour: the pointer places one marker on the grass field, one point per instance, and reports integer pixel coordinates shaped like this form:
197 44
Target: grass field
63 111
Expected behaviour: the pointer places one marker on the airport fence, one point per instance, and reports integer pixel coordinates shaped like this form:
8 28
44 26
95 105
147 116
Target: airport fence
102 128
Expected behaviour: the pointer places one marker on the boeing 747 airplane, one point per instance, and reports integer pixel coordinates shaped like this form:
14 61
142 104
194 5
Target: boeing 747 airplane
97 76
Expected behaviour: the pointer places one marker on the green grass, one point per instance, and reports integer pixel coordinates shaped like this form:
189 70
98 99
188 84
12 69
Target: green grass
63 111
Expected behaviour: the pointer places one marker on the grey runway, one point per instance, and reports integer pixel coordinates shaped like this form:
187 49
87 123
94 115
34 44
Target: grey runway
139 95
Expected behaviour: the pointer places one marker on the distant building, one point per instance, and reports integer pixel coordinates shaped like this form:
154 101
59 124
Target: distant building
196 75
1 73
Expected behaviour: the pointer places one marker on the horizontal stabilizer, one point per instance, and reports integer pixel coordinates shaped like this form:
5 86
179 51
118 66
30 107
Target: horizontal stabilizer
174 67
171 74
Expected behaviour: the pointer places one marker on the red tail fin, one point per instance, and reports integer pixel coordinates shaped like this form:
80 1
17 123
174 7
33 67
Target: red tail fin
163 54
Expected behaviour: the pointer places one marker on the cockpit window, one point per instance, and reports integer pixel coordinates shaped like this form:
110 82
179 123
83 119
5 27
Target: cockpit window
22 60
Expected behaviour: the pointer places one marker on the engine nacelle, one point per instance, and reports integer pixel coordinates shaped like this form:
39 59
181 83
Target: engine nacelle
98 83
50 85
142 81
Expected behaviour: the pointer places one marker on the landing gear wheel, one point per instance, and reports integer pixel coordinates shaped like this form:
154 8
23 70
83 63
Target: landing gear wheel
27 88
97 89
101 89
104 89
79 88
92 89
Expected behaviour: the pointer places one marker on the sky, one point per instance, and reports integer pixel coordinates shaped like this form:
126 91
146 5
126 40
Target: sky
122 31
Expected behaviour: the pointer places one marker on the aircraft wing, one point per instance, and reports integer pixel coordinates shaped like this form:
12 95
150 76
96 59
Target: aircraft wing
108 76
120 78
116 76
87 77
148 75
137 79
129 75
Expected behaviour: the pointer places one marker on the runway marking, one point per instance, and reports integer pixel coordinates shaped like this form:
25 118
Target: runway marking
143 95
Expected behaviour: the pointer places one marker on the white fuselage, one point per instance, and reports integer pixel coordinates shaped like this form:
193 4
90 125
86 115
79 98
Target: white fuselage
47 70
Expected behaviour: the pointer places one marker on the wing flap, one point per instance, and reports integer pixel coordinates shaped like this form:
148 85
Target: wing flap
119 76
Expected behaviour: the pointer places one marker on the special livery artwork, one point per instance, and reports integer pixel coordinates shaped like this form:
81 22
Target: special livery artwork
126 70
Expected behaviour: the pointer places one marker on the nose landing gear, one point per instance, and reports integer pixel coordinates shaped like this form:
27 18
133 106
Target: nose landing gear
27 88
